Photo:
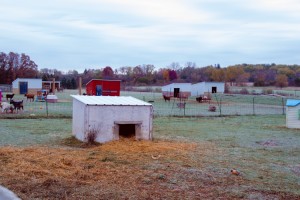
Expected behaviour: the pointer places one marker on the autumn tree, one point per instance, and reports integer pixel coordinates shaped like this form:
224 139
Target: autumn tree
107 72
281 80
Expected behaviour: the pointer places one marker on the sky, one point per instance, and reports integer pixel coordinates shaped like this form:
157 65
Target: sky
90 34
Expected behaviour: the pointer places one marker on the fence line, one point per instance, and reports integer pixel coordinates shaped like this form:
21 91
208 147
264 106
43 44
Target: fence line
219 105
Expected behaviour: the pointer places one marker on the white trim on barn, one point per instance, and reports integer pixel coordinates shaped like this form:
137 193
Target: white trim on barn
26 85
199 89
109 117
293 113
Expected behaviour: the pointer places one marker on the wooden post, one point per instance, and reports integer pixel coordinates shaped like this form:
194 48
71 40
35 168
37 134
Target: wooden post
53 86
80 85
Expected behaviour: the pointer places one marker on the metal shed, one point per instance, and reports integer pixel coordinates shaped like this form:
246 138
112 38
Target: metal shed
209 87
26 85
177 90
100 87
111 117
293 113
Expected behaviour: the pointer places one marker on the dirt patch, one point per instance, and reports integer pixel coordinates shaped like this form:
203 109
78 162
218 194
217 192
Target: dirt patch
269 143
296 169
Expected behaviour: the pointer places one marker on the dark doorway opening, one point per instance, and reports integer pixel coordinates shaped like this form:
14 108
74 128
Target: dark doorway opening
214 90
176 92
127 130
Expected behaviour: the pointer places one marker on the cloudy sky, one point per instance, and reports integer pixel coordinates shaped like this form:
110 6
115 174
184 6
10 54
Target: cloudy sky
79 34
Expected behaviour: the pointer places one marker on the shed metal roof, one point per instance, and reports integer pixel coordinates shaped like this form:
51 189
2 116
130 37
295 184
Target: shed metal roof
111 100
292 102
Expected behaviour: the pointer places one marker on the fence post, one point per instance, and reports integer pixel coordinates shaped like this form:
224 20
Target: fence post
220 105
253 106
46 106
282 105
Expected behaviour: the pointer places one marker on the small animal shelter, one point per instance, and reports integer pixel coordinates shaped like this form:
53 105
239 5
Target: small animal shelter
100 87
107 118
26 85
293 113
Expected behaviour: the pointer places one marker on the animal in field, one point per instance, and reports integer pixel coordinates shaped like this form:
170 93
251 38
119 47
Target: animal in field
167 98
9 96
7 194
30 97
18 105
199 99
6 107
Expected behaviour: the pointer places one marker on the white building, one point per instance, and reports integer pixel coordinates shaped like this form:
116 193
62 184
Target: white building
293 113
109 117
207 87
26 85
176 89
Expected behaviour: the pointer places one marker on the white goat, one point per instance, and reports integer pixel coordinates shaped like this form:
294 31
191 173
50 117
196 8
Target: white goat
6 107
7 194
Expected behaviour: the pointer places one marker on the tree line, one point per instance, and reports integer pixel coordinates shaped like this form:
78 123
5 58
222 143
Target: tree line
15 65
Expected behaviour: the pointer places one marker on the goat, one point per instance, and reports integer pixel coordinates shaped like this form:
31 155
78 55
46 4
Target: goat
9 96
167 98
17 104
7 194
30 97
6 107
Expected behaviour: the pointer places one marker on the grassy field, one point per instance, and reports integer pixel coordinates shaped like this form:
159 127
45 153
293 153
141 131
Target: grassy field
190 158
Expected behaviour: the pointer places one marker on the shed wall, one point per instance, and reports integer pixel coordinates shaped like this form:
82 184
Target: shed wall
79 119
201 88
292 117
32 84
102 119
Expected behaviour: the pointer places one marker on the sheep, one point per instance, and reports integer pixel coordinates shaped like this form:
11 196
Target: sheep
7 194
29 96
6 107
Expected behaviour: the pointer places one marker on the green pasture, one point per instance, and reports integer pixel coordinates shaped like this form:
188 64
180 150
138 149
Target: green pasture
260 147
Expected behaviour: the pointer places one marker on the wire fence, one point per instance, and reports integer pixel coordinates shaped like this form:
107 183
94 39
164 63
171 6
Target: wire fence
218 105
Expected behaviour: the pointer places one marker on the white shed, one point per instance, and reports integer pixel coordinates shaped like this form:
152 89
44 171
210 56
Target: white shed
293 113
177 89
109 117
26 85
210 87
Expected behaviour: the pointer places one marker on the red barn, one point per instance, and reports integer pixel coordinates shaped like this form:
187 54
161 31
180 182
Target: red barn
100 87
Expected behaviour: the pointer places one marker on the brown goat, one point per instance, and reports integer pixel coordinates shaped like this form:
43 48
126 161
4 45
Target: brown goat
30 97
167 98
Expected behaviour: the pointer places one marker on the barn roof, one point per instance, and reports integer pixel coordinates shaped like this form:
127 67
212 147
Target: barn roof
110 100
292 102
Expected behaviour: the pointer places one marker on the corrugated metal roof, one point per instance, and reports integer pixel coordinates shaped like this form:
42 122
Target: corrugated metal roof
292 102
111 100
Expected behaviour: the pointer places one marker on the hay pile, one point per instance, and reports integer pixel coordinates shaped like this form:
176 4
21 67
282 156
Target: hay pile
119 169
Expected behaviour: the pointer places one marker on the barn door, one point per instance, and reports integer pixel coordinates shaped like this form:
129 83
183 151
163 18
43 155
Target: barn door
23 87
98 90
176 92
214 90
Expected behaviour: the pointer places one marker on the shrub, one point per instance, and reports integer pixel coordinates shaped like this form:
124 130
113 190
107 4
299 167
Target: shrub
267 91
91 136
244 91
